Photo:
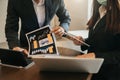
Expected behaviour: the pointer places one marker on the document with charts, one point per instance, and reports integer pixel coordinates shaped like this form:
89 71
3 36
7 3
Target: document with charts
41 41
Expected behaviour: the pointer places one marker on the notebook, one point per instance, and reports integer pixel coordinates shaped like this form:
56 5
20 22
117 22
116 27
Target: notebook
68 64
14 59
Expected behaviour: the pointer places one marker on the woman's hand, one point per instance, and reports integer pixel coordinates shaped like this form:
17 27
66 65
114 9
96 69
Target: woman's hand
76 42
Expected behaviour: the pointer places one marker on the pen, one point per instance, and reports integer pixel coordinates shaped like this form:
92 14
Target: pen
72 37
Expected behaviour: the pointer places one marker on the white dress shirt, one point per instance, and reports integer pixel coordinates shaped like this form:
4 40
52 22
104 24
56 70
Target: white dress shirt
40 11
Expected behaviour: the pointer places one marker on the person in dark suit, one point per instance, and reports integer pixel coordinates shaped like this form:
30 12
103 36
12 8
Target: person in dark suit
33 15
104 38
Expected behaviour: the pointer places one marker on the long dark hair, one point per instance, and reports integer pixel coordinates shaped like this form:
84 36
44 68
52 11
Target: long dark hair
112 16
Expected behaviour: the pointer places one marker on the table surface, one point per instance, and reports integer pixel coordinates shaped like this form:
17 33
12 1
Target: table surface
33 73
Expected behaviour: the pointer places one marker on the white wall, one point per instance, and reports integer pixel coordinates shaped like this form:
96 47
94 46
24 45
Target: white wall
78 10
3 5
90 2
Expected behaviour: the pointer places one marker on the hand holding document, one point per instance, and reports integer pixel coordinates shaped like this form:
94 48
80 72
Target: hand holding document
59 31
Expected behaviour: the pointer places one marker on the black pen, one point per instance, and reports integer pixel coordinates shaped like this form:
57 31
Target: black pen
73 37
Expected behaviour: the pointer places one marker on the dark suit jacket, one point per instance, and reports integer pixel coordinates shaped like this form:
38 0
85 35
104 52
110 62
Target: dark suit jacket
24 10
105 45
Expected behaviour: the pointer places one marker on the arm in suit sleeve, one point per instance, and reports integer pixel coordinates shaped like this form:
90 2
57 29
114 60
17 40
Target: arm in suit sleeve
12 27
110 57
63 15
84 47
113 56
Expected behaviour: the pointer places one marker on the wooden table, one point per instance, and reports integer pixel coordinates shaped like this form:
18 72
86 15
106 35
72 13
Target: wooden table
34 73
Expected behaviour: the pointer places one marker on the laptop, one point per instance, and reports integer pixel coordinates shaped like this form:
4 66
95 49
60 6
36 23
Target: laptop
14 59
68 64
